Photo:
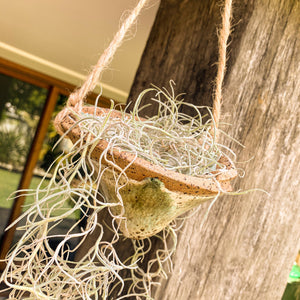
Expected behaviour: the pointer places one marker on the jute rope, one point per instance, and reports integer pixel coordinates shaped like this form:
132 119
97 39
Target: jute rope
76 99
223 38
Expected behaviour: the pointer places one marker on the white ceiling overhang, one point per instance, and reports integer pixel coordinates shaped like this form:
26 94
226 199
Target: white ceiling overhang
64 38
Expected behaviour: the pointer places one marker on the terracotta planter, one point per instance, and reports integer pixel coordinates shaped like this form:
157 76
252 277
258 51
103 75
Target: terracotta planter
153 196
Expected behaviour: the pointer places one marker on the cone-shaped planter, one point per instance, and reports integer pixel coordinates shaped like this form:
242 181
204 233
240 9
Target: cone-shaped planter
152 196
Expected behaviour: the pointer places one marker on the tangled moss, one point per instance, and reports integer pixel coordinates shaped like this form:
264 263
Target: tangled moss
170 139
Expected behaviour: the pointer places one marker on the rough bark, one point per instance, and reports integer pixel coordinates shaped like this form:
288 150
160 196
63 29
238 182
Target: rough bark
182 46
246 247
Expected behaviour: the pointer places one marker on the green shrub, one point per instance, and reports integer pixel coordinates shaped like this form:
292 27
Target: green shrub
13 147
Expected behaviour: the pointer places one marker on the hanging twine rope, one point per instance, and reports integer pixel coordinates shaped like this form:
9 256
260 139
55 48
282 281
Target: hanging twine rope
76 99
223 38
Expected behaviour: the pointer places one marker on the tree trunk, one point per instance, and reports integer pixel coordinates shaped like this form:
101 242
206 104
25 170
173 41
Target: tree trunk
246 247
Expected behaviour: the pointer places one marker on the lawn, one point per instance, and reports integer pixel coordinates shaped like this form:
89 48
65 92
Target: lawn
9 183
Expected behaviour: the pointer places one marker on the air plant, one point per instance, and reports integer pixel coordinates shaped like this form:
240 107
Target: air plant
100 185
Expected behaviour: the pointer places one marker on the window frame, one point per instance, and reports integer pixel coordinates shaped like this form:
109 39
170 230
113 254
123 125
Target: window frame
55 87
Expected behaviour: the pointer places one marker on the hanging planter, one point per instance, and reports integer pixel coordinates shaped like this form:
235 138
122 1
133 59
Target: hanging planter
143 172
151 195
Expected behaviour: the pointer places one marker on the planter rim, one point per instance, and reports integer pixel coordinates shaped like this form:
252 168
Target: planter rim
138 168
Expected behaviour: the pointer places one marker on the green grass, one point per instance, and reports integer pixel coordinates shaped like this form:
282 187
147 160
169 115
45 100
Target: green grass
9 183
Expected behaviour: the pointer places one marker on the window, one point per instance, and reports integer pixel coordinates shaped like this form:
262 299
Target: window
27 101
21 106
